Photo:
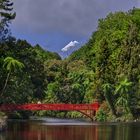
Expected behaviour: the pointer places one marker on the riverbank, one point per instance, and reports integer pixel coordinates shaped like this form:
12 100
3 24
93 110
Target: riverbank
81 119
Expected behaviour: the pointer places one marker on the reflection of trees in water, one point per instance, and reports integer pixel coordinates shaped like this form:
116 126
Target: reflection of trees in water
37 131
42 132
127 132
118 132
2 137
72 133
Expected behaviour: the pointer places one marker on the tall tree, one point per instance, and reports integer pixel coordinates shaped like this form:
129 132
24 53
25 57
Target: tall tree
108 89
123 90
11 64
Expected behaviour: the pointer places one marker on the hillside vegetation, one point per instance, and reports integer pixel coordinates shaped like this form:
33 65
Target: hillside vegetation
106 69
113 55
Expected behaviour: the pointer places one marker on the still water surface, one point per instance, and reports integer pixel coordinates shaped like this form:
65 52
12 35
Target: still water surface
55 129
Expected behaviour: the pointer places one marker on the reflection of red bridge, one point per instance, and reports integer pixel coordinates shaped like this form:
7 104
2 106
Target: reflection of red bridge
87 109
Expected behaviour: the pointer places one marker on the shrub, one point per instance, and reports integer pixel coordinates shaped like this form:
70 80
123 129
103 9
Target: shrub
101 115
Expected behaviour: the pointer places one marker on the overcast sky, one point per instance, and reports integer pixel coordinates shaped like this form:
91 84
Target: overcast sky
54 23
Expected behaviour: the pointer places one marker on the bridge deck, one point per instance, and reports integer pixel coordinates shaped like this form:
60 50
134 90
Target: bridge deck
70 107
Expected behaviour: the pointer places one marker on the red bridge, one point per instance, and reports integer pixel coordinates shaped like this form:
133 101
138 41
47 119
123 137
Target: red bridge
87 109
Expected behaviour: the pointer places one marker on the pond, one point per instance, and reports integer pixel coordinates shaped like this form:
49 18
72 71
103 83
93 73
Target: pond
62 129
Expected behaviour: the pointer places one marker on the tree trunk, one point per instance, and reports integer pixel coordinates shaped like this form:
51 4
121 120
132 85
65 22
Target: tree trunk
5 85
110 102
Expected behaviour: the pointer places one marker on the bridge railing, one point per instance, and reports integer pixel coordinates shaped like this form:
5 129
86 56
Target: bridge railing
16 107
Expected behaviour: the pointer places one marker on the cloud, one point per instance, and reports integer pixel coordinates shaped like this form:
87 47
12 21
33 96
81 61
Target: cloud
70 45
77 17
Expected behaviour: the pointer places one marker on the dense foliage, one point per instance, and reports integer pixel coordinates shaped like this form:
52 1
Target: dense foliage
106 69
113 54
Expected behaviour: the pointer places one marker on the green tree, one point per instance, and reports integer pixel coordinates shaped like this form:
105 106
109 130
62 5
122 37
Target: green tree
11 65
123 90
108 90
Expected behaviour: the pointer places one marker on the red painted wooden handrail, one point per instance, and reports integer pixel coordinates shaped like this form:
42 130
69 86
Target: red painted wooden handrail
70 107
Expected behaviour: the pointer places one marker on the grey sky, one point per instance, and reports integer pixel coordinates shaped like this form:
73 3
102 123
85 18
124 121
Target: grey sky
70 16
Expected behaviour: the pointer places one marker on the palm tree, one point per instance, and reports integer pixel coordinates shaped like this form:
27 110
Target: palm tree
122 90
107 89
11 65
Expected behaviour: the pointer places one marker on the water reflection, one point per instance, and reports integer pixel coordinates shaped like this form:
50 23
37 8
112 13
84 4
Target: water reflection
38 131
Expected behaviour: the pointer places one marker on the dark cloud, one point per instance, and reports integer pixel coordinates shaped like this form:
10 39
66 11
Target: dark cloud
77 17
